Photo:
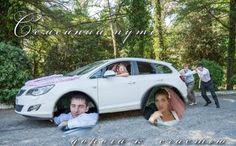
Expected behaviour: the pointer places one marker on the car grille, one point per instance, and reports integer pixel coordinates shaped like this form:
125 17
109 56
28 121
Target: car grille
20 92
19 107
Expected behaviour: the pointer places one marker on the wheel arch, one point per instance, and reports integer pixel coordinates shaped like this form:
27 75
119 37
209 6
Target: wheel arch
147 93
70 94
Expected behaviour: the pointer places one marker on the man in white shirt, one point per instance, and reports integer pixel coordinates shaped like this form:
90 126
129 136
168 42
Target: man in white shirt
206 84
77 118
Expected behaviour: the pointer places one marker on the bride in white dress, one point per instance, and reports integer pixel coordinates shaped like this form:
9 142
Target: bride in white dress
165 115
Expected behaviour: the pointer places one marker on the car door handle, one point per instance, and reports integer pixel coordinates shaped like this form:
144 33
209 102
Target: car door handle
131 83
94 87
159 80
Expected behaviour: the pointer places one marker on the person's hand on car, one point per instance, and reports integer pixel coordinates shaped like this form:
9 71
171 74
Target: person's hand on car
64 123
154 116
63 126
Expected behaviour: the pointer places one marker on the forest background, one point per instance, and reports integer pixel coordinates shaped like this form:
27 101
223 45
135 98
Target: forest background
44 37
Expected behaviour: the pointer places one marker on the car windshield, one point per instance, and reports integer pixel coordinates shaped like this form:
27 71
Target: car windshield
87 68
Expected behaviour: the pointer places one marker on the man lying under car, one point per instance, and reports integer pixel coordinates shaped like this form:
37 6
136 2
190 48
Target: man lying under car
77 117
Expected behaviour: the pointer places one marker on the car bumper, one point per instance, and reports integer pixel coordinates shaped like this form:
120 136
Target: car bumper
34 115
44 110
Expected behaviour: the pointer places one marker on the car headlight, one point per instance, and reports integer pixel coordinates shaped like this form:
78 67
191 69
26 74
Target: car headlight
40 90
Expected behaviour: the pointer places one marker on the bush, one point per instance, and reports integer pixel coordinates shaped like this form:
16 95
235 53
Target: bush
216 72
14 71
233 80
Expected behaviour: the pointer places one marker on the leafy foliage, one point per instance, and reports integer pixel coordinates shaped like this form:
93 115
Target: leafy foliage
14 71
234 80
139 46
190 31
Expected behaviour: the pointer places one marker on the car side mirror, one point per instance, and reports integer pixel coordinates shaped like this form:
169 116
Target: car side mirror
109 73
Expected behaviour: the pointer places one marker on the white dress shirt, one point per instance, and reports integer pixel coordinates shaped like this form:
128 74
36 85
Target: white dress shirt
83 120
204 75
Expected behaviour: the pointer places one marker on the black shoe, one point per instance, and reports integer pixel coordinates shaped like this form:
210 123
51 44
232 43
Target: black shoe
217 106
207 103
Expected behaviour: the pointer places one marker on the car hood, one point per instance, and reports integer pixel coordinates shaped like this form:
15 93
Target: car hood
48 80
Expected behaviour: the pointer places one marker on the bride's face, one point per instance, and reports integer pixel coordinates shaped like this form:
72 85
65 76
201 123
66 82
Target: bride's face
162 103
121 69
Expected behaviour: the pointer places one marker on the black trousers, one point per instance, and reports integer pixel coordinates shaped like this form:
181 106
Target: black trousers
209 86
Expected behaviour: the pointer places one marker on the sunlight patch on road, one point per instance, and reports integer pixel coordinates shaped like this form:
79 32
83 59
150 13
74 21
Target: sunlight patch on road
228 99
198 134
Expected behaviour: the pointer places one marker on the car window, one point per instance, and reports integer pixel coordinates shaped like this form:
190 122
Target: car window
145 68
98 74
162 69
87 68
101 72
125 64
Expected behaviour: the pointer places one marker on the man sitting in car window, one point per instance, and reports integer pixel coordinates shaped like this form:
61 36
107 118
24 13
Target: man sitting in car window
77 118
121 70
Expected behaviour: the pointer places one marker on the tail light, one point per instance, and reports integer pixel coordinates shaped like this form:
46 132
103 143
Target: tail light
181 77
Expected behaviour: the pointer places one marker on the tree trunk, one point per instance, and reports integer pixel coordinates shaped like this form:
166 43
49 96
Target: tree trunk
231 44
112 30
158 12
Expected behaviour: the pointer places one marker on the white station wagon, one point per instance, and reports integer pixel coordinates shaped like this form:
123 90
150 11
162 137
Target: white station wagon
48 96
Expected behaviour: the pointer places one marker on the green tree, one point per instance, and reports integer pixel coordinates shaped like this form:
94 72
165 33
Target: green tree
160 49
14 71
7 10
200 34
231 44
63 58
209 29
138 18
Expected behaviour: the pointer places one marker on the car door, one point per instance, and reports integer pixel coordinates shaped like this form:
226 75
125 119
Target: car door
149 75
117 93
145 78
